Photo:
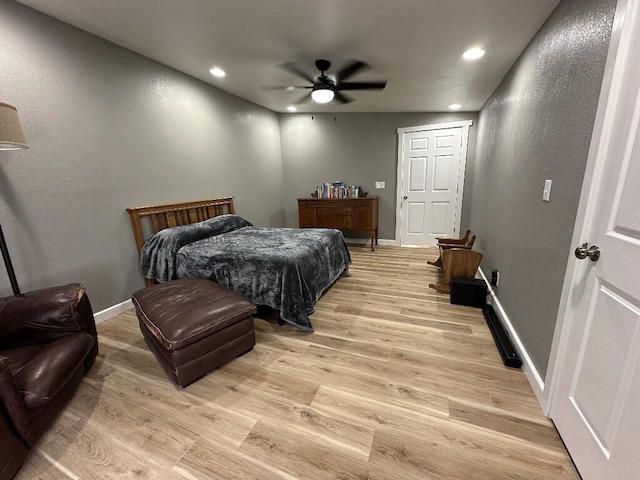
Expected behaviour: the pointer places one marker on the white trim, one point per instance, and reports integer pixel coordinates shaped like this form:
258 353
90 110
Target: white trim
464 125
399 184
111 312
529 369
367 241
435 126
462 165
386 242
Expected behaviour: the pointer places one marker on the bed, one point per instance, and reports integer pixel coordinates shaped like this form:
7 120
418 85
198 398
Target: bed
284 268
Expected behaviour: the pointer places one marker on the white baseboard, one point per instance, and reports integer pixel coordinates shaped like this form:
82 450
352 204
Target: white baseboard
529 369
364 241
110 312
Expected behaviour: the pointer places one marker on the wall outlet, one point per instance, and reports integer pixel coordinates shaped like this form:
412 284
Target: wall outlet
495 278
379 185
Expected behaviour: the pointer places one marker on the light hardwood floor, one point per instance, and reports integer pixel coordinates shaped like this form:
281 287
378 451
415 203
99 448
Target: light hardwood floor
396 383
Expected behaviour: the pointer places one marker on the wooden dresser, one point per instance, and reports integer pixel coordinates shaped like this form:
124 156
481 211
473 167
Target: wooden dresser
355 214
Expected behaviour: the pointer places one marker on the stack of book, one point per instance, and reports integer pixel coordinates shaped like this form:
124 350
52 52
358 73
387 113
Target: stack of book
337 190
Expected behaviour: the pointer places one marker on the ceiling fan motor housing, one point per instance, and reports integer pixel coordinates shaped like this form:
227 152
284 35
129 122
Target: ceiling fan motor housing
323 65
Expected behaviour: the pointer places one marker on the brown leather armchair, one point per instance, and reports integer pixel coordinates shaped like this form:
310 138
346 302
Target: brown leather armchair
48 342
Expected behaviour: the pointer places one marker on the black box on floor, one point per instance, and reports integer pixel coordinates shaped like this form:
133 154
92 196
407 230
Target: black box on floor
468 291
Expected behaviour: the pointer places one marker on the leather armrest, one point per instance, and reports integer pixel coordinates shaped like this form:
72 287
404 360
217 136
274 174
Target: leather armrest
45 315
11 401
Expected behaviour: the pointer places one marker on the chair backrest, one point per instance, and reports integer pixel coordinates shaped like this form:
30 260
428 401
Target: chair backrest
465 237
460 262
470 240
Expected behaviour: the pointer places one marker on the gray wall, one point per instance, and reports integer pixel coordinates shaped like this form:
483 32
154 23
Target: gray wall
537 125
357 148
109 129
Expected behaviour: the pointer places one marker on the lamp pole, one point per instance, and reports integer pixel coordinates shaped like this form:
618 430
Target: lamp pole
8 264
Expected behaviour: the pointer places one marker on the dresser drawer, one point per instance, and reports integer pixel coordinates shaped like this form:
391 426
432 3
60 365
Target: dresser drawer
327 211
335 221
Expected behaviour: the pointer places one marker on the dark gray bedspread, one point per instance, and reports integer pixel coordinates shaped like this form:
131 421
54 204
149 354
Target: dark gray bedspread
284 268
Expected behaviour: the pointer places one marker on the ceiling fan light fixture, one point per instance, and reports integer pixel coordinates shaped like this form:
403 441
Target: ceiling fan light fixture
322 95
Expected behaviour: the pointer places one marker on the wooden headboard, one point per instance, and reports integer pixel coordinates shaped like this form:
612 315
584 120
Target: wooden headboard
149 220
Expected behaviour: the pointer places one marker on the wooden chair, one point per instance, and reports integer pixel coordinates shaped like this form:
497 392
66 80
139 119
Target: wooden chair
465 242
457 262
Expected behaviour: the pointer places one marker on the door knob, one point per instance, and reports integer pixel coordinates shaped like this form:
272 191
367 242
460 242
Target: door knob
405 197
583 251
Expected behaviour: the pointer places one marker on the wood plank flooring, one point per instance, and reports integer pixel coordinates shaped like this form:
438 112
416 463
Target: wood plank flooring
395 383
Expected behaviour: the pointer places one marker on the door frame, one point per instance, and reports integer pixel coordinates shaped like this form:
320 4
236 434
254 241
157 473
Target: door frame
464 125
596 162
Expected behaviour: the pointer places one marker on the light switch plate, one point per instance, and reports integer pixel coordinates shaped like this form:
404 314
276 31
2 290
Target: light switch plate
546 193
379 185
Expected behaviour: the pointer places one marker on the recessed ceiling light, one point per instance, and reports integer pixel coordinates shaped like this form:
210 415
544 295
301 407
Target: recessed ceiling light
217 72
473 54
290 87
291 109
455 106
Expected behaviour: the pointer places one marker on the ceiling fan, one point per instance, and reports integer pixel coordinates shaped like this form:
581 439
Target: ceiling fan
323 88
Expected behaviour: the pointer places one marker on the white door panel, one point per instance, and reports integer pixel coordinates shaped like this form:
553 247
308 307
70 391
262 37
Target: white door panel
445 141
416 218
439 218
419 143
595 380
443 174
418 175
614 321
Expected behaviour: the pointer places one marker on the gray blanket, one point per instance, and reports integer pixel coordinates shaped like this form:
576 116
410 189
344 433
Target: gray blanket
158 255
286 269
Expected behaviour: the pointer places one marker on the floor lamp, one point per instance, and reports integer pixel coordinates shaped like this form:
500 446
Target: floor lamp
11 138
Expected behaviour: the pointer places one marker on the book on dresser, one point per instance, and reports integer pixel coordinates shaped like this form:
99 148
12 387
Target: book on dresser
355 214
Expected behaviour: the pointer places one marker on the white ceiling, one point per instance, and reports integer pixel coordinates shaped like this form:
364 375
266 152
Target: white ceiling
416 45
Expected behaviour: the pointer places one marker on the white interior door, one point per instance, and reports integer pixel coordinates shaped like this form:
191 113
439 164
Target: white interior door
431 163
595 386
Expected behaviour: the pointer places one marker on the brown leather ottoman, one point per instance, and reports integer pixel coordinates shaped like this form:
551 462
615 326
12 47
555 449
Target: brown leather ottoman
194 325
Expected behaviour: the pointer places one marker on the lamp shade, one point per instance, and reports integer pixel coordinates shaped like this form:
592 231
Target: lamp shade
11 136
322 95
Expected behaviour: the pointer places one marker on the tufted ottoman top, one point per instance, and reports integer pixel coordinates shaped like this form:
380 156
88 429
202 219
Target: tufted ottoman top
180 312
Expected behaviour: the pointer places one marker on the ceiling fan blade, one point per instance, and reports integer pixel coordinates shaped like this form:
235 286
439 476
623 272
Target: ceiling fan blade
361 85
268 88
350 69
302 100
291 68
342 98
